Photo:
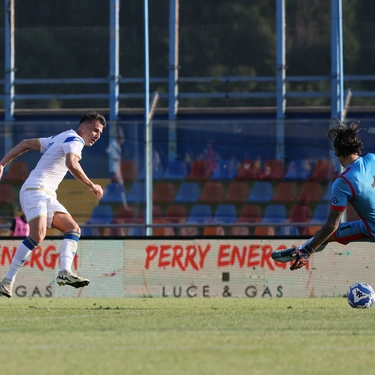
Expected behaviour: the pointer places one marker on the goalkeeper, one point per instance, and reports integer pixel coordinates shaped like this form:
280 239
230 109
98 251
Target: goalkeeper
356 185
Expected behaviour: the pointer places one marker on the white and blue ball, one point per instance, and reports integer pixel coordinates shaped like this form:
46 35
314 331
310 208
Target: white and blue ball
361 295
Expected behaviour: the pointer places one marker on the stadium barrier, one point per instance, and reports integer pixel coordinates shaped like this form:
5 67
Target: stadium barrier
176 268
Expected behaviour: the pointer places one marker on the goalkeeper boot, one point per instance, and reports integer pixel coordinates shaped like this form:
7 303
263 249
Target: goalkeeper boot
6 286
69 278
286 255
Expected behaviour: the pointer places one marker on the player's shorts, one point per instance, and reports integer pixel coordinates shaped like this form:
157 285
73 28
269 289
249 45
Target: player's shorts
352 231
37 202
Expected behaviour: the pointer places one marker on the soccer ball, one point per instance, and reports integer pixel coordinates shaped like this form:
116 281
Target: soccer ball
361 295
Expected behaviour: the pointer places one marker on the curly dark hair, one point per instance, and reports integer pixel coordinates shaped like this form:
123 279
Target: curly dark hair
345 140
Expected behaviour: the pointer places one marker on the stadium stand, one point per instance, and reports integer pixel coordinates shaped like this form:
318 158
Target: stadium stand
200 171
157 173
188 192
299 213
17 173
239 231
261 192
114 194
176 170
224 170
320 214
127 214
225 213
237 193
250 213
175 214
214 231
164 193
274 213
249 170
311 192
157 214
99 215
188 231
298 170
163 231
129 170
324 171
212 193
200 214
264 231
273 170
137 193
285 192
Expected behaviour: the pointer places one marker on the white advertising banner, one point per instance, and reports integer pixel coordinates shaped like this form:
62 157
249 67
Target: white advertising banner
175 268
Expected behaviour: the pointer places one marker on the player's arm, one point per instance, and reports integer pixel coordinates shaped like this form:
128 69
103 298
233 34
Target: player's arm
72 163
19 149
328 229
323 235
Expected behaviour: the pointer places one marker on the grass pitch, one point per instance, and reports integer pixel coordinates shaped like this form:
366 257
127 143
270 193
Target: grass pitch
185 336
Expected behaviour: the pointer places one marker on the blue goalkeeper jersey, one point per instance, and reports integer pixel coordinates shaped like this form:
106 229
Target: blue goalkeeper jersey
356 185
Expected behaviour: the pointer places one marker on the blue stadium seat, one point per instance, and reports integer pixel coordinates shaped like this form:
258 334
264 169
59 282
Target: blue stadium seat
298 169
176 170
137 193
225 213
113 193
261 192
274 213
225 170
99 215
200 214
188 193
320 213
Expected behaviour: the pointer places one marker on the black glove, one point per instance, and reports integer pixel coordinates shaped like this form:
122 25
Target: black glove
302 257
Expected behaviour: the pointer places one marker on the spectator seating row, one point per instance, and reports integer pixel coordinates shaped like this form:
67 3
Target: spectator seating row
238 192
223 214
322 170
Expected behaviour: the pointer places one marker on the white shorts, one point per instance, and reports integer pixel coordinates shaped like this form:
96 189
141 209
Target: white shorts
36 203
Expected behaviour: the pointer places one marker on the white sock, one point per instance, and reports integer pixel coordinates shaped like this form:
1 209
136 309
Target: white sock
68 250
20 257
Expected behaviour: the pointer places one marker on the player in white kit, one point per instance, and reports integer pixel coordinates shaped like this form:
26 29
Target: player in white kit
60 153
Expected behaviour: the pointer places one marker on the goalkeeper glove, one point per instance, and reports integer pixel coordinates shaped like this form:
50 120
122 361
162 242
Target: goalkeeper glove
302 257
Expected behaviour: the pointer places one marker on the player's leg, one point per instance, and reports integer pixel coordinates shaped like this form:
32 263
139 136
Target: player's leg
34 206
64 222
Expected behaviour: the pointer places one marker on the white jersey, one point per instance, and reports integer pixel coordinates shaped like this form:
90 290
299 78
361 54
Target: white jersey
51 168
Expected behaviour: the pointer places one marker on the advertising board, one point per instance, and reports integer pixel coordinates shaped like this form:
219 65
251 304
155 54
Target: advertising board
177 268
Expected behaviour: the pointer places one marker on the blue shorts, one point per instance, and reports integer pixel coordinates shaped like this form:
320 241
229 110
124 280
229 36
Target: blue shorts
353 231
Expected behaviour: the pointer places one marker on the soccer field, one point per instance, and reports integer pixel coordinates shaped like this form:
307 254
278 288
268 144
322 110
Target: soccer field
185 336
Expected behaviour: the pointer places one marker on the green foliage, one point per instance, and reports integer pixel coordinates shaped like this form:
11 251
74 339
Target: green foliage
66 39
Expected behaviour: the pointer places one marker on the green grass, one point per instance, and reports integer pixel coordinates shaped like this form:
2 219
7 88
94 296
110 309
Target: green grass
185 336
